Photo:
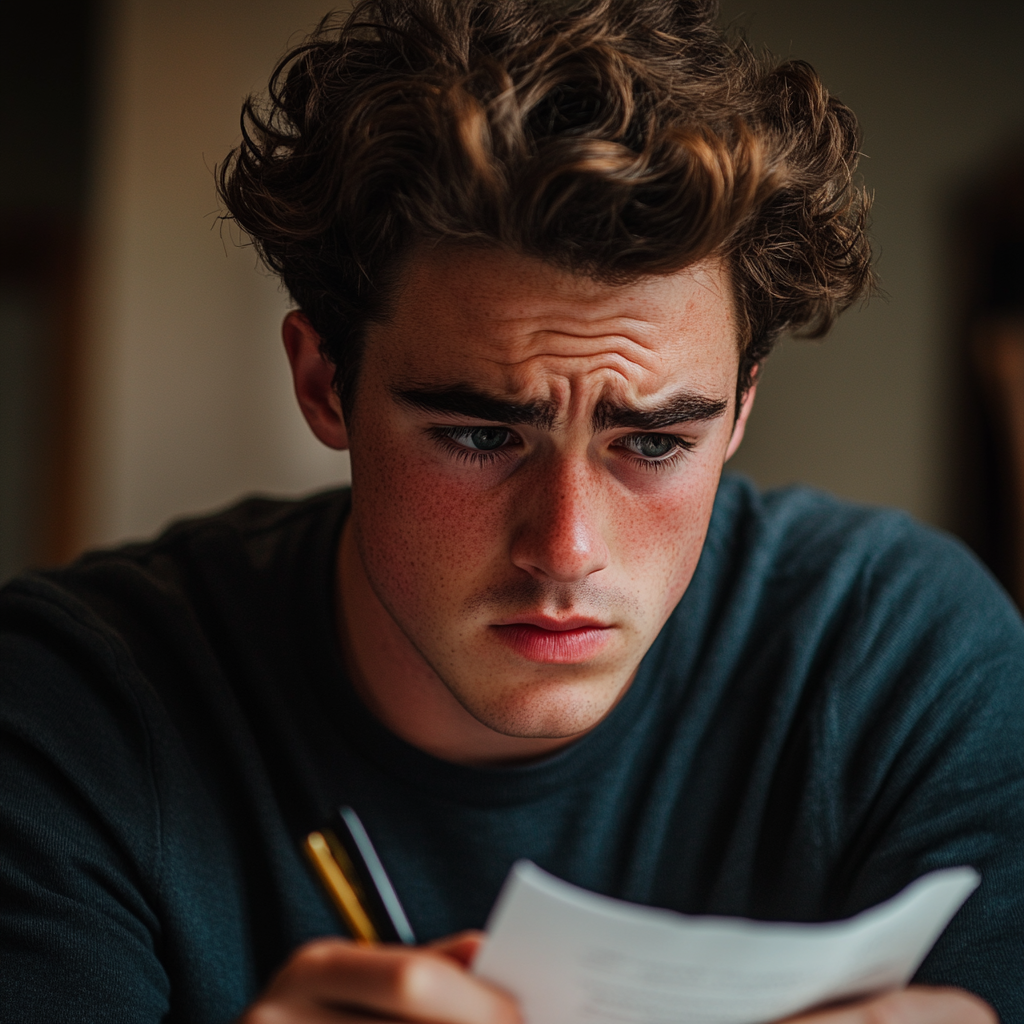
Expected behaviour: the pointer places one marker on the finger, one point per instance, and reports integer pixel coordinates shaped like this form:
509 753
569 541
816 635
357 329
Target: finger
290 1012
273 1011
462 948
915 1005
408 984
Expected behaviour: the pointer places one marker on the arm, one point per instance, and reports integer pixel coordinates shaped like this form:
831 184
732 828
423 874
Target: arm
79 938
924 706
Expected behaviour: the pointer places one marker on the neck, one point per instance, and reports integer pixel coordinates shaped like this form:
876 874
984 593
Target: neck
402 690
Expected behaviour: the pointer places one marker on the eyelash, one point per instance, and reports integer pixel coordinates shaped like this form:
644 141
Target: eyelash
680 446
446 437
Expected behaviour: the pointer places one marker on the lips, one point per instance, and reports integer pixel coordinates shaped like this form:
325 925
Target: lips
553 641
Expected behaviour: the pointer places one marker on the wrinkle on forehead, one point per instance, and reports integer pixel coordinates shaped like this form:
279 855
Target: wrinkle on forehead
564 365
516 326
577 374
574 348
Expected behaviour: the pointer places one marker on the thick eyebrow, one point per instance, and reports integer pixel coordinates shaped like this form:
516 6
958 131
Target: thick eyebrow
465 400
683 407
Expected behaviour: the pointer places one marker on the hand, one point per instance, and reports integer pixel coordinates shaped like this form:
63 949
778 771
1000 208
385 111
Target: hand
914 1005
332 980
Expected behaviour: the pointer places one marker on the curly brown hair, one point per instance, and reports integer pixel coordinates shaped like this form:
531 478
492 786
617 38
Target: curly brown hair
613 138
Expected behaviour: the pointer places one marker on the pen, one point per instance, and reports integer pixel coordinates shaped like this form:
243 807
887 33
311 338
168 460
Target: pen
350 870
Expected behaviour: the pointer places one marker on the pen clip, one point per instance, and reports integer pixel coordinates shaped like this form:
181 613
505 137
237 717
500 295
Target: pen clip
350 870
375 882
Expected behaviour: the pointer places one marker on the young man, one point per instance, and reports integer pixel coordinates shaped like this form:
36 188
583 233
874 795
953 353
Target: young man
538 252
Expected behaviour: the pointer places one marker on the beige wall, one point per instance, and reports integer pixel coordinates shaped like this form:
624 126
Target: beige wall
938 88
189 401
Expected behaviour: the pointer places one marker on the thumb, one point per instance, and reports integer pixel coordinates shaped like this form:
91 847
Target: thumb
461 948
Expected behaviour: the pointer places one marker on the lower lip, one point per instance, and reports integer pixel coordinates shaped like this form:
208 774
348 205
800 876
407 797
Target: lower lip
554 647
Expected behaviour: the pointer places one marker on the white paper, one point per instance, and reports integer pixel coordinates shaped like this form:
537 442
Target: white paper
574 957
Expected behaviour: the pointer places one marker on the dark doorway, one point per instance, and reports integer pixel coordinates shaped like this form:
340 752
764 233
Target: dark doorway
47 71
989 248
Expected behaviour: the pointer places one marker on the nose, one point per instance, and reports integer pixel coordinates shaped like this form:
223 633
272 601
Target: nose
559 536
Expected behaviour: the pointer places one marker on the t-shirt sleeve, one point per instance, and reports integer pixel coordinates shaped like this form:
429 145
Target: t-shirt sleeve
934 772
79 829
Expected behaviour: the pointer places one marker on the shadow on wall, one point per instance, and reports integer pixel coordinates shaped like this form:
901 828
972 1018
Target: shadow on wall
989 270
44 168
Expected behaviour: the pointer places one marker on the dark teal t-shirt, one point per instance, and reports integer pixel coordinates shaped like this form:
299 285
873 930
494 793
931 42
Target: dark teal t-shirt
835 707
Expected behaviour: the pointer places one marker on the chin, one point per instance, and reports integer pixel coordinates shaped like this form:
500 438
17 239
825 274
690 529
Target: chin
543 710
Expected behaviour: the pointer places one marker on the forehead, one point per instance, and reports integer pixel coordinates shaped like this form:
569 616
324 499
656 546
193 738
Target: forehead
520 325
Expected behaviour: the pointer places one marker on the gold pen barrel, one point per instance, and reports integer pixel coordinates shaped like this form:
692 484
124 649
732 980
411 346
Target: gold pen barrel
340 889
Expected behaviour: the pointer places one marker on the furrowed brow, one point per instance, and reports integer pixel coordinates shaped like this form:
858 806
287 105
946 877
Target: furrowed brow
684 407
464 400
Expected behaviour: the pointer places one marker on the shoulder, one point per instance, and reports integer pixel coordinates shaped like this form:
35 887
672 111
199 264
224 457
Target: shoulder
107 664
258 530
801 544
258 537
101 640
860 610
814 526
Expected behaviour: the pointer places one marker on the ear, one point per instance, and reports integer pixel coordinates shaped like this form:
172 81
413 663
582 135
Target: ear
313 377
740 426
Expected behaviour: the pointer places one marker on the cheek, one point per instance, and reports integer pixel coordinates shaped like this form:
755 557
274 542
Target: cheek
422 534
660 535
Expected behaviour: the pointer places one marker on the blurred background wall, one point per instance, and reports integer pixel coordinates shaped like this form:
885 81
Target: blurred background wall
188 399
177 398
873 413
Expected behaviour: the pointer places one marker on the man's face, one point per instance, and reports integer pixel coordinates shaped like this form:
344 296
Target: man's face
534 461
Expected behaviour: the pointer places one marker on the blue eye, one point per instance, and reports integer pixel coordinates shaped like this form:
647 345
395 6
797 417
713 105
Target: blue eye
478 444
655 447
483 439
